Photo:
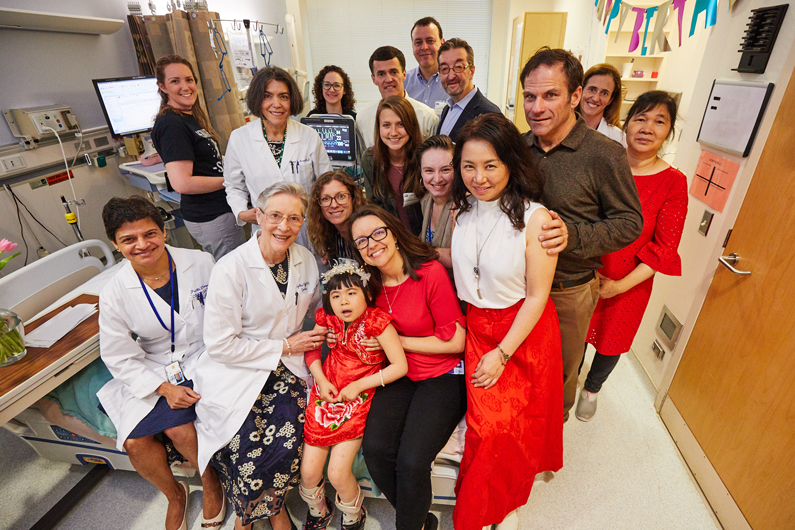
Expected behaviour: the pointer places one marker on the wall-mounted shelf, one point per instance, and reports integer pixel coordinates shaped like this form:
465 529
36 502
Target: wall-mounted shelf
40 21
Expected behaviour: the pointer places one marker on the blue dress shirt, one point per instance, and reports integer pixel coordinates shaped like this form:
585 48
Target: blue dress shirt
455 111
428 92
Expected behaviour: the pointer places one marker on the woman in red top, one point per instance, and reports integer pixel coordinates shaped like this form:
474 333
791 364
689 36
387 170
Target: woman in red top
625 282
411 420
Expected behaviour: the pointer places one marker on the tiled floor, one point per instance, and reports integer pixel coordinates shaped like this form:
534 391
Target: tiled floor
621 471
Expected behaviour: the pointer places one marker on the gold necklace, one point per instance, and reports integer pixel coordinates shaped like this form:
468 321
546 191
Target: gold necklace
478 248
281 275
396 293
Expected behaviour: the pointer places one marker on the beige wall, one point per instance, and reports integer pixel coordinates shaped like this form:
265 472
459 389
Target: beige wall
685 295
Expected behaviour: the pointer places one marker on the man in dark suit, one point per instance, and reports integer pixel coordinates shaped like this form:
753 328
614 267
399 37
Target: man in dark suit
456 70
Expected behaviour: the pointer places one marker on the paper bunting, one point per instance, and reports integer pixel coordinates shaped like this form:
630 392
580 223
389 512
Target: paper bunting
625 8
613 14
635 39
649 14
710 7
608 10
658 36
600 8
679 6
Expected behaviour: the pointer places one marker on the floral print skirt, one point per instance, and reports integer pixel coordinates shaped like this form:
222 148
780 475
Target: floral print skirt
261 462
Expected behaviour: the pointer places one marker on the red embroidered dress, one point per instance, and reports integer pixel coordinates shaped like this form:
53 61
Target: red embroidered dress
663 198
331 423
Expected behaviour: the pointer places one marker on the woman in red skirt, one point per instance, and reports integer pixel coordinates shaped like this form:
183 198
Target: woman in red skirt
513 358
626 278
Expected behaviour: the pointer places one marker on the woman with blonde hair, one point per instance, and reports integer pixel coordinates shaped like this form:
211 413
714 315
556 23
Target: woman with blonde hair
386 182
600 105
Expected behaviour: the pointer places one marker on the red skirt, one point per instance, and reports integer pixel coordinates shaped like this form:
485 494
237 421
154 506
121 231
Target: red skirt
515 428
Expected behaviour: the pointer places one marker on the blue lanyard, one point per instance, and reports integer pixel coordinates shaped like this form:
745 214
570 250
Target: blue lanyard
171 280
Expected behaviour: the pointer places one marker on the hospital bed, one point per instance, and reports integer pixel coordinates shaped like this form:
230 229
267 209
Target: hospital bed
54 280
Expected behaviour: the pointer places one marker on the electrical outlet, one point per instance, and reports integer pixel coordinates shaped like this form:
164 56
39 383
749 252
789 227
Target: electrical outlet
13 162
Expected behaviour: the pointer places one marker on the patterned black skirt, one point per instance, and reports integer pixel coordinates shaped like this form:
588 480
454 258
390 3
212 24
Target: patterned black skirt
261 462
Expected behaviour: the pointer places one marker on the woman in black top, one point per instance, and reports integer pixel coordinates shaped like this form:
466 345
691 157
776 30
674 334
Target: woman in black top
333 92
188 145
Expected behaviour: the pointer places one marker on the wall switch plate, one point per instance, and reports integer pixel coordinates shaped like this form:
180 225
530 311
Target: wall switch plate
12 163
705 223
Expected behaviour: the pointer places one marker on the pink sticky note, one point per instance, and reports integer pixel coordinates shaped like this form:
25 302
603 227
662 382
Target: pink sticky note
713 180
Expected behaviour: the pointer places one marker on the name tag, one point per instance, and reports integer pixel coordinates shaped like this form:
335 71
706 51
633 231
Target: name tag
409 199
440 105
458 369
174 373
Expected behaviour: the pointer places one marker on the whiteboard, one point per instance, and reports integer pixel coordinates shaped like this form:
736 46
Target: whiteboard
733 114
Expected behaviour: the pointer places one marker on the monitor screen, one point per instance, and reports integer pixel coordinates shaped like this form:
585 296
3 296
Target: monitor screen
338 136
129 103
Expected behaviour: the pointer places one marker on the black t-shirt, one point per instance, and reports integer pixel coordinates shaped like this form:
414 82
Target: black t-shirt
180 137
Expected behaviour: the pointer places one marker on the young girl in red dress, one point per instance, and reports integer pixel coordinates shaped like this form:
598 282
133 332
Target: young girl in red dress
343 391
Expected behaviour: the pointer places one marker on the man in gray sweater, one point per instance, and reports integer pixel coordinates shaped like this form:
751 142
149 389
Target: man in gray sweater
589 183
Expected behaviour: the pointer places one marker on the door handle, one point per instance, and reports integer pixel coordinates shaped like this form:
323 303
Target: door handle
729 262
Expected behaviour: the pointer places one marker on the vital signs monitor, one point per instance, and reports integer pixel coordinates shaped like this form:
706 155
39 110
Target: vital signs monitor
338 134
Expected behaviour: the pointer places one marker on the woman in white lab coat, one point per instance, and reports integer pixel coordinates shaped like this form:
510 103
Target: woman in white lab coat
158 290
253 376
273 148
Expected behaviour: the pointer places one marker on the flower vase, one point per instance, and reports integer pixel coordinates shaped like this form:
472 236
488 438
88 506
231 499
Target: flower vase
12 338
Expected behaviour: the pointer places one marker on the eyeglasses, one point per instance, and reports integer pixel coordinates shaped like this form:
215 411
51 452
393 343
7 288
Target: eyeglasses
340 198
335 86
275 218
376 235
444 69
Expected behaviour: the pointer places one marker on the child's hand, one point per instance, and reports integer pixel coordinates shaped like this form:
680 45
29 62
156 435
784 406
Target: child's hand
327 391
350 392
331 337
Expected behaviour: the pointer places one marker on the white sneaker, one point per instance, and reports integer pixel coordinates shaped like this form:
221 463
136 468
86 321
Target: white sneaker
586 406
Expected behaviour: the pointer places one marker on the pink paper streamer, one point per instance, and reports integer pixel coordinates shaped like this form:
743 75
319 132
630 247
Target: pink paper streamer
640 12
679 7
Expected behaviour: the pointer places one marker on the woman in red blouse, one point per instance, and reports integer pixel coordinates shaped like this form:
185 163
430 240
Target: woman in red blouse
625 282
411 420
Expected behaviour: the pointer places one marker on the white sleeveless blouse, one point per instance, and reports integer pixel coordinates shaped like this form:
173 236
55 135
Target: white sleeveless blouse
502 269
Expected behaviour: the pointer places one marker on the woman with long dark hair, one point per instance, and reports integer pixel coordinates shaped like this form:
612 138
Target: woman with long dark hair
513 360
188 145
397 134
333 92
412 418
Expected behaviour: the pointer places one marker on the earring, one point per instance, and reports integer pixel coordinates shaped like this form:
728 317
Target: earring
397 246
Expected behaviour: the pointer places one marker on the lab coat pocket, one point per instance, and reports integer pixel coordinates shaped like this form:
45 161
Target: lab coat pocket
306 173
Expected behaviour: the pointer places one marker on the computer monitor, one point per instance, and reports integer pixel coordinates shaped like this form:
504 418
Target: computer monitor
130 104
338 134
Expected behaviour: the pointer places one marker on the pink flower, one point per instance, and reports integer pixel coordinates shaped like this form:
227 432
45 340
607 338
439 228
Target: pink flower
335 414
7 246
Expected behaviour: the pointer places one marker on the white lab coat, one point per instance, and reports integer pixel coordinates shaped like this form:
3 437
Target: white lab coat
249 166
138 366
612 132
245 324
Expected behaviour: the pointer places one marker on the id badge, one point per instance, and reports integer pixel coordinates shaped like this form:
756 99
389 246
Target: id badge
458 369
174 373
409 199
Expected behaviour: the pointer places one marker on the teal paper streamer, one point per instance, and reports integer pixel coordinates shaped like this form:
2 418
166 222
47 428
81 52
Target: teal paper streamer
649 13
711 16
613 14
